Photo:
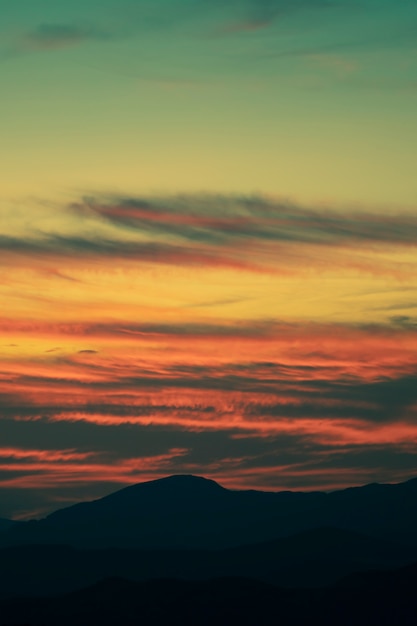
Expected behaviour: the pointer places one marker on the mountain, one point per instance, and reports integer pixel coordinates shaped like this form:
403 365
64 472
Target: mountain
173 512
374 600
193 512
175 495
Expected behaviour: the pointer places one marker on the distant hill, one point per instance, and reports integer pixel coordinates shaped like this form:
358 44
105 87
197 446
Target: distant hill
193 512
313 558
379 600
6 524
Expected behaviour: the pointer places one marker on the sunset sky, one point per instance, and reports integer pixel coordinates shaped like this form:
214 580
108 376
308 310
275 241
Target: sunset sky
208 233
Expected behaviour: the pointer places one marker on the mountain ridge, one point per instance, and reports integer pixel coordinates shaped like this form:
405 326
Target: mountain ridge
187 511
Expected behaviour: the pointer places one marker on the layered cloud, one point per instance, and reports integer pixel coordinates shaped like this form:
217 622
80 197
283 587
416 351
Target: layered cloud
332 406
259 342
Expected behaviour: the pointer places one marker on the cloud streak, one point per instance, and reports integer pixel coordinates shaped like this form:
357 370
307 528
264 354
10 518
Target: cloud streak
237 233
217 220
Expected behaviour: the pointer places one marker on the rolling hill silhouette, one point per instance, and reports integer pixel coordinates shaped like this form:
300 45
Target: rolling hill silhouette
313 558
374 599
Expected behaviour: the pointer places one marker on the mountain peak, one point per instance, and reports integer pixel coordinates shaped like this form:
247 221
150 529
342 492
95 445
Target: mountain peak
177 486
156 499
186 480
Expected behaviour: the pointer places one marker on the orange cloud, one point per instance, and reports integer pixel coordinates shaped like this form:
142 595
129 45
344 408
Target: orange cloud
50 470
44 455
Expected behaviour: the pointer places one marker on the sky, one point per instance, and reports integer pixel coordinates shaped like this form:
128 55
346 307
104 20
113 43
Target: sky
208 232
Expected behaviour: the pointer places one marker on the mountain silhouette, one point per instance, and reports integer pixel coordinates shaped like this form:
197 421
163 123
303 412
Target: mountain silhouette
174 494
184 550
193 512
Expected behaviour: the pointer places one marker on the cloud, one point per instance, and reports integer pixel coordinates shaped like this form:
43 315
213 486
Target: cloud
85 247
257 234
52 36
313 406
260 14
339 65
26 454
319 342
266 8
219 219
341 377
405 321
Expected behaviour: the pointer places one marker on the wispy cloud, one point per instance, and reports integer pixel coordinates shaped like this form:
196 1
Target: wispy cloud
50 36
218 219
247 233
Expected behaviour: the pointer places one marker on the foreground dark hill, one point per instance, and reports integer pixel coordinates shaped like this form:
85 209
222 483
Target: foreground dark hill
313 558
384 600
193 512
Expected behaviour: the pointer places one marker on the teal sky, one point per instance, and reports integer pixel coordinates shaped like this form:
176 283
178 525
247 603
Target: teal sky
309 100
